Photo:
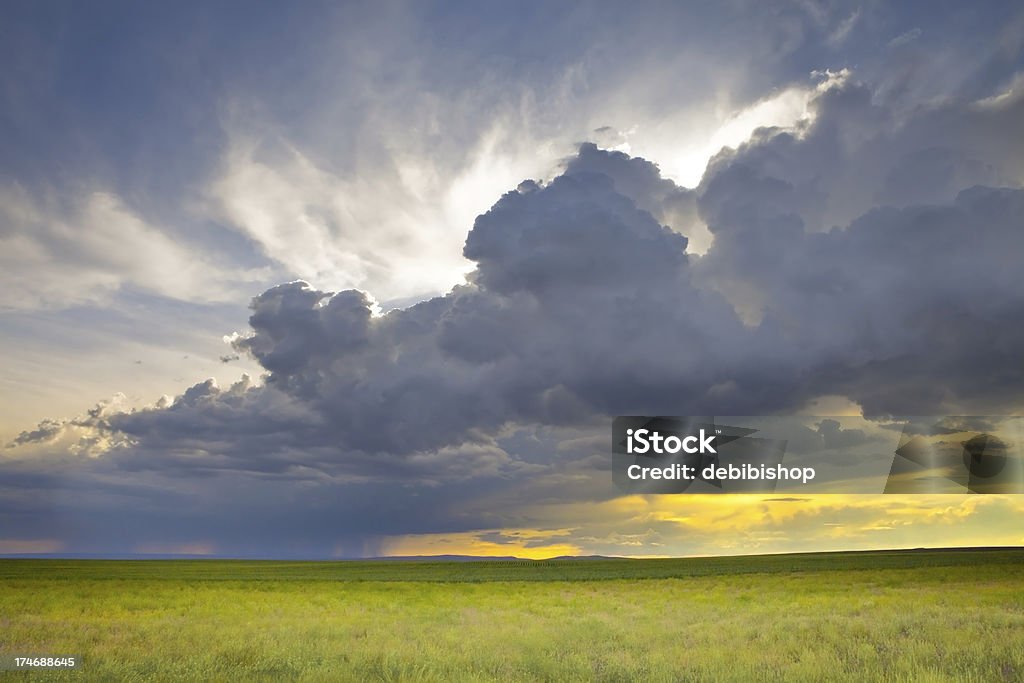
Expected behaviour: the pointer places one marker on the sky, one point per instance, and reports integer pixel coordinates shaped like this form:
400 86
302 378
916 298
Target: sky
360 279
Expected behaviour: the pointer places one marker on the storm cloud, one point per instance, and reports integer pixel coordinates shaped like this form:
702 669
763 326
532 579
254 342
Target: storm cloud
584 305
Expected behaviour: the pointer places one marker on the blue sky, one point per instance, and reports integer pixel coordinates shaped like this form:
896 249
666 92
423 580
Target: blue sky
164 164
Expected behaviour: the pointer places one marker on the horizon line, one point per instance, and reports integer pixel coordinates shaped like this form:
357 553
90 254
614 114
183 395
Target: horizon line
454 557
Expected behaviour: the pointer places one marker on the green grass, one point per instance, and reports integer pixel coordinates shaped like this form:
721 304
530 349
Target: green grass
901 616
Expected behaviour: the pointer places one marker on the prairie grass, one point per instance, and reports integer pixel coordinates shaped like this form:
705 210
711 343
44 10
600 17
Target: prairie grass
911 616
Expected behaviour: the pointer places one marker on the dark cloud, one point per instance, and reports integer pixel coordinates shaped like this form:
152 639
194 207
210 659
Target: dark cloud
889 309
584 304
834 436
640 180
47 430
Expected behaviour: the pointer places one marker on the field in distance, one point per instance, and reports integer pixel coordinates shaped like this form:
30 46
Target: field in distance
897 615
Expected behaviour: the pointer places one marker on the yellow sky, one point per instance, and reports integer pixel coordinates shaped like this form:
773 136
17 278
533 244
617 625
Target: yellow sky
681 525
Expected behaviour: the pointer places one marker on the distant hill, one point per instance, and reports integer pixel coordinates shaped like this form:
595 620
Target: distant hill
482 558
441 558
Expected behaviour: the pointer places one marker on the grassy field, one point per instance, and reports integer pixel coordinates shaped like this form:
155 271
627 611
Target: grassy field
901 616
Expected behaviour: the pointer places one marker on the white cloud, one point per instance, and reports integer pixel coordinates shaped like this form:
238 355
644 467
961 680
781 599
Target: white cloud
395 228
54 257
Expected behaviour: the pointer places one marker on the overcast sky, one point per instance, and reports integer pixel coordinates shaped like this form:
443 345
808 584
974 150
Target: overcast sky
346 279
